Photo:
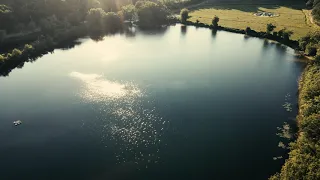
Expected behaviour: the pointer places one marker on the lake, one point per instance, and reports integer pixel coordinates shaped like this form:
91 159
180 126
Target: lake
174 103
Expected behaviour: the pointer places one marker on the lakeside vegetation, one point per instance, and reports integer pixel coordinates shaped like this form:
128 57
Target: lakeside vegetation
59 22
48 24
304 155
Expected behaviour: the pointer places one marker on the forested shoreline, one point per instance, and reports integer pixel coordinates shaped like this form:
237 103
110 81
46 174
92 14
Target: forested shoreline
43 25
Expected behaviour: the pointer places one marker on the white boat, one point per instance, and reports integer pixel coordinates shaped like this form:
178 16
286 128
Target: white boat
17 123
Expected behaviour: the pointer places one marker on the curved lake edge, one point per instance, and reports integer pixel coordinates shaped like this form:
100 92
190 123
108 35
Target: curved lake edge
209 32
45 45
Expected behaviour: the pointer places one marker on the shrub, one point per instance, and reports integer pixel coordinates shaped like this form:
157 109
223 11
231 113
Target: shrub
2 58
215 21
16 53
270 27
184 14
275 33
248 30
311 50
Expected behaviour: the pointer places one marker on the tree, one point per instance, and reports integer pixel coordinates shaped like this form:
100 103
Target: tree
151 14
215 21
112 21
128 12
270 27
311 50
248 30
95 19
286 35
317 59
184 15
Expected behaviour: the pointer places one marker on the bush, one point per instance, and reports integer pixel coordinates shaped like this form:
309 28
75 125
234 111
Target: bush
311 50
215 21
270 27
275 33
184 15
16 53
2 58
248 30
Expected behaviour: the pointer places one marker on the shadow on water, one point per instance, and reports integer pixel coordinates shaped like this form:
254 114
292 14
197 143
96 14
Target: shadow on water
68 45
213 33
266 44
153 31
183 30
249 6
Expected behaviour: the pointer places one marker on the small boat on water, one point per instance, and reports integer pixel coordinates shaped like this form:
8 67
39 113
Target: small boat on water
17 123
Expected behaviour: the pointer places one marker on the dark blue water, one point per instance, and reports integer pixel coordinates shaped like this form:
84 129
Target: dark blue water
170 104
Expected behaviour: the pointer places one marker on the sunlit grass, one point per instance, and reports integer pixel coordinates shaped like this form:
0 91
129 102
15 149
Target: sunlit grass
241 16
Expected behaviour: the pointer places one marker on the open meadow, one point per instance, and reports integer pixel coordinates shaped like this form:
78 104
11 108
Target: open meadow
292 16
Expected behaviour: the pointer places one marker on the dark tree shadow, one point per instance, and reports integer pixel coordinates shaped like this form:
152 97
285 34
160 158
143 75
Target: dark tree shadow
153 30
183 29
213 33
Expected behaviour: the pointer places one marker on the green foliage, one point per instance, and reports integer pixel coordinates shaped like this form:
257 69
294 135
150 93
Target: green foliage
184 15
16 53
128 12
304 157
311 50
95 18
317 60
151 14
270 27
311 125
283 33
5 9
2 58
215 21
27 47
112 21
310 43
315 4
248 30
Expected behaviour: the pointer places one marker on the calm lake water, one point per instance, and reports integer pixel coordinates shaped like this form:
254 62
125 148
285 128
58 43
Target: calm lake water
178 103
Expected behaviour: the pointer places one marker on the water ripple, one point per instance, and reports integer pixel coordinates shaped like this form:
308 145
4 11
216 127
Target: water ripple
125 117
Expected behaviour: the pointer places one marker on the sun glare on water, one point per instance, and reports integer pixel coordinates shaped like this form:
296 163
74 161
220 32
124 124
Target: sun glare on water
126 118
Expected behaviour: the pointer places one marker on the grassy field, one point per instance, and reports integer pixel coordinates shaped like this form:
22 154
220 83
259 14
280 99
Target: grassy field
240 16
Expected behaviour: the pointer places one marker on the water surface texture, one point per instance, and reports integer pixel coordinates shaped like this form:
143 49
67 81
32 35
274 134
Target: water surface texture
176 103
